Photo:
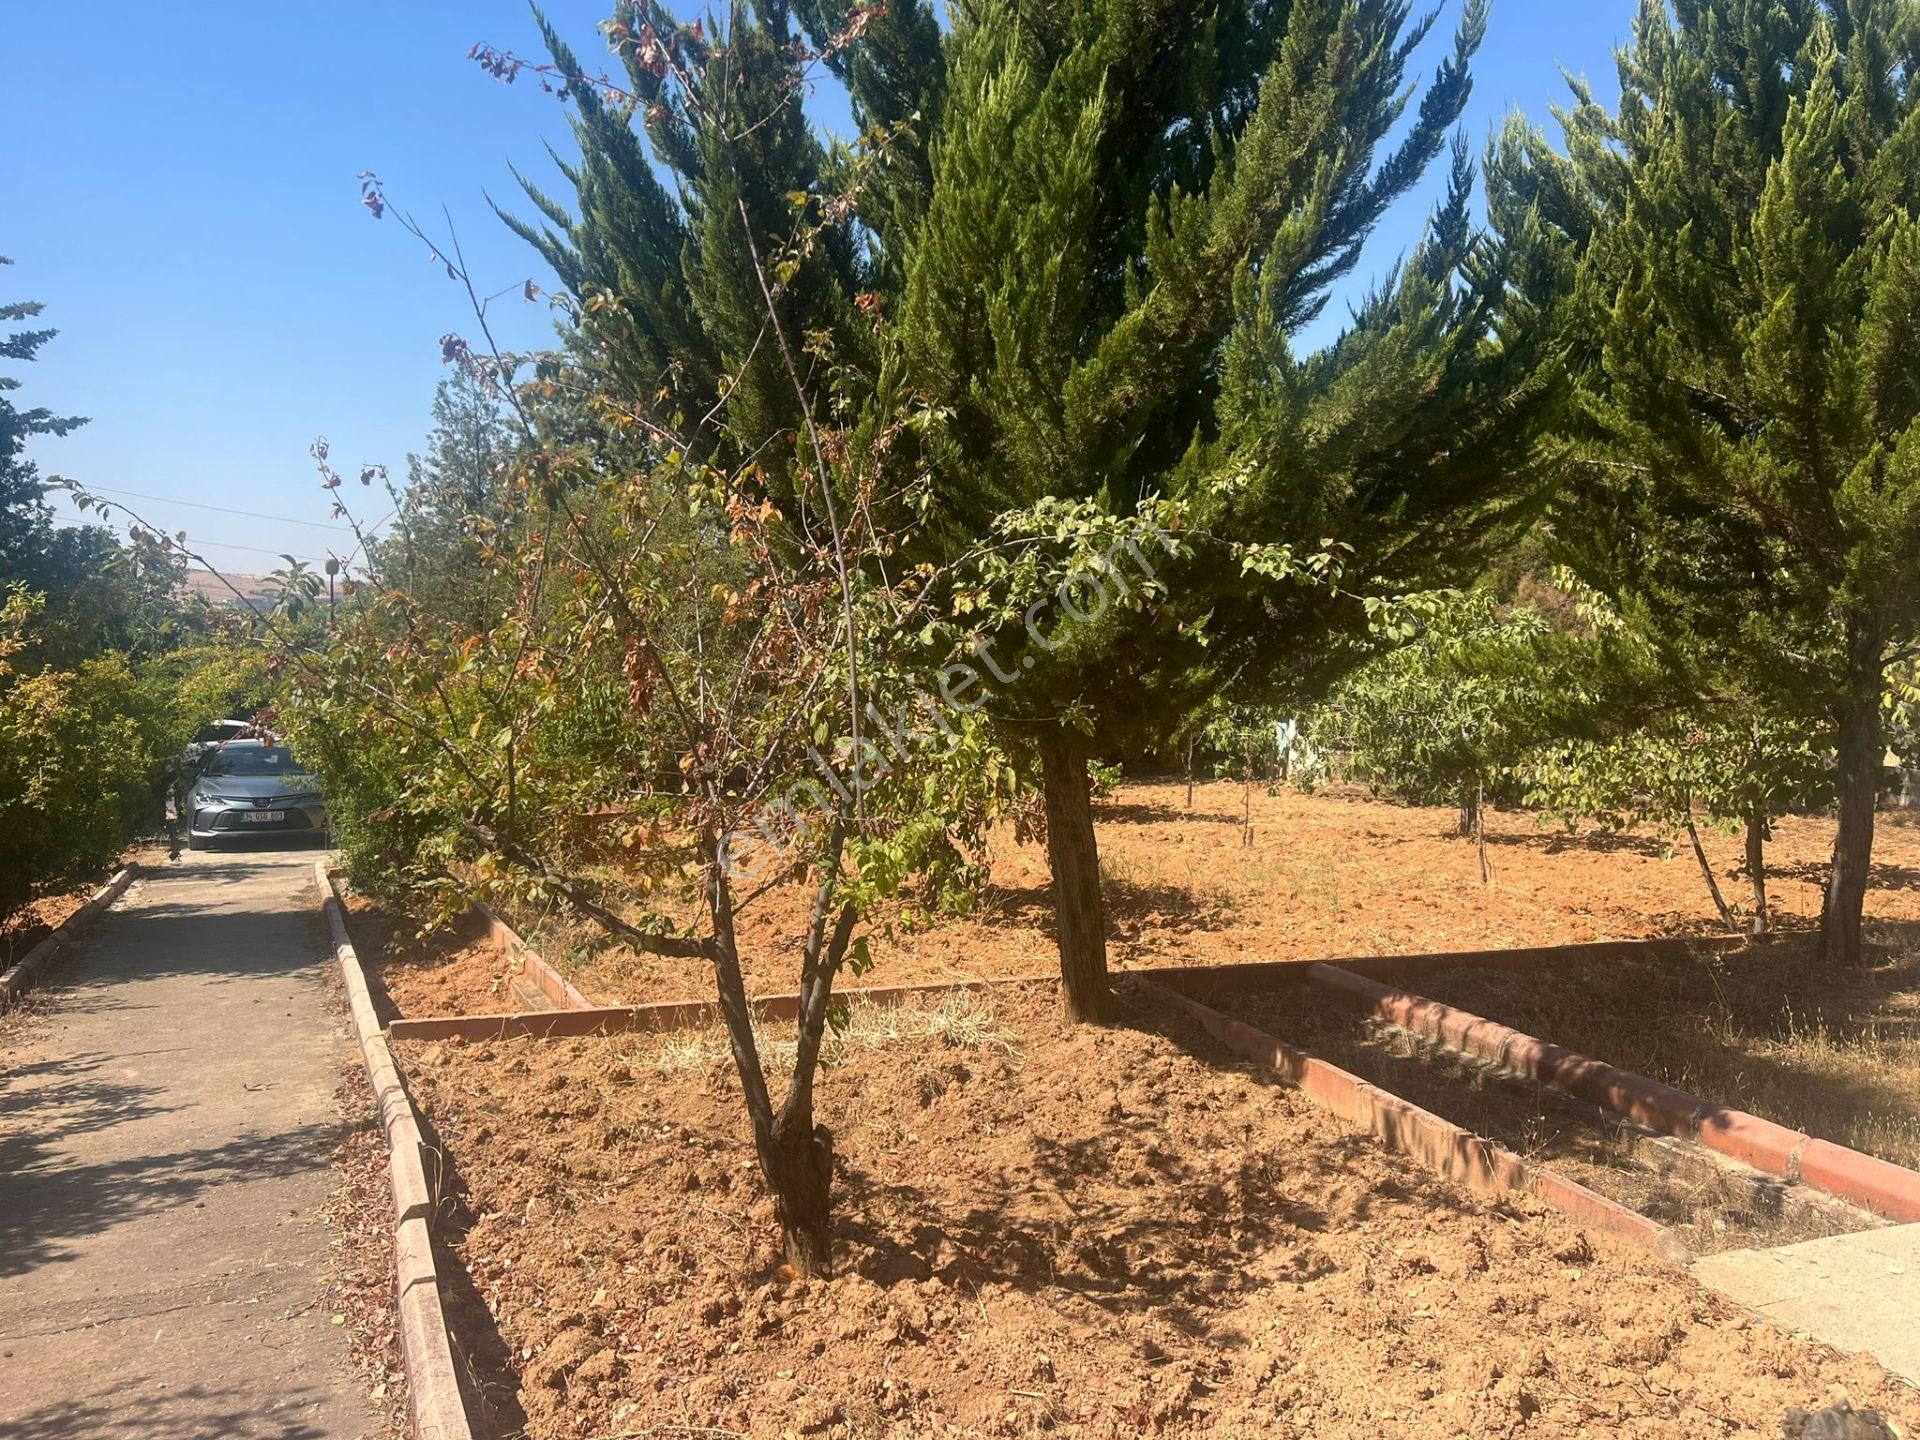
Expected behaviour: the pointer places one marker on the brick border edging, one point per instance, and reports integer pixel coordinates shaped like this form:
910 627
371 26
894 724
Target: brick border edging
27 971
433 1385
590 1018
1456 1153
1878 1185
663 1015
550 982
1255 973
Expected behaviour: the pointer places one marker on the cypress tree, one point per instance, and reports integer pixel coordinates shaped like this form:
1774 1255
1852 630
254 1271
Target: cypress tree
1736 256
1134 210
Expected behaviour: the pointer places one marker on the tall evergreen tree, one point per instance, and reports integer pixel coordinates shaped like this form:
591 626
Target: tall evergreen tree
1083 238
669 308
1737 253
1134 212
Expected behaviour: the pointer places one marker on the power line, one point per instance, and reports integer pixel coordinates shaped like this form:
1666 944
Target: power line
219 509
256 549
197 544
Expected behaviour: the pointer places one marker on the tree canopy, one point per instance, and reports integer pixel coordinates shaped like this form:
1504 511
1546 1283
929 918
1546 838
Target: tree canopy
1734 257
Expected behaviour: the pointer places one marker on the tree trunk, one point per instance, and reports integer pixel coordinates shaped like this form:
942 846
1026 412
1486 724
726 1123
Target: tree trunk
1480 831
1861 747
1713 881
1079 915
1469 812
802 1188
1757 872
795 1155
1190 744
1246 796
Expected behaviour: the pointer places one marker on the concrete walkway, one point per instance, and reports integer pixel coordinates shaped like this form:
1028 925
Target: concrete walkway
1858 1293
167 1129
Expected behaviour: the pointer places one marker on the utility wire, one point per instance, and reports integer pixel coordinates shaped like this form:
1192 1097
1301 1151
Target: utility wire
219 509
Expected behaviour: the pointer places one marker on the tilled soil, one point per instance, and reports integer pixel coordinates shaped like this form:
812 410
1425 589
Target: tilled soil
1059 1231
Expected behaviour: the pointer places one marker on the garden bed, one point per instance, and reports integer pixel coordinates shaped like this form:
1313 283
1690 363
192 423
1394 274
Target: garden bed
457 971
1043 1230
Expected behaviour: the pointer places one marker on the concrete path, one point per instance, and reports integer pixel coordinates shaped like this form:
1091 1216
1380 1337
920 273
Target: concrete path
167 1129
1857 1292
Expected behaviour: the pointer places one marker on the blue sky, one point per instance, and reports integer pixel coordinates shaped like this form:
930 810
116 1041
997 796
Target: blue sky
180 190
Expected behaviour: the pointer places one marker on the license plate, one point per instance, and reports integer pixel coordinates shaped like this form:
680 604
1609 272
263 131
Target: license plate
258 817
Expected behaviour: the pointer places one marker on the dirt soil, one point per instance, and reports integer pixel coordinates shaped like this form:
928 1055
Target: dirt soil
1327 875
414 972
1052 1231
35 921
1703 1206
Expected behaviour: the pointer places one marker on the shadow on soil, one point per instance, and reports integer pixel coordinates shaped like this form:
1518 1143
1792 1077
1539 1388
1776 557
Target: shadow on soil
1177 909
1882 877
489 1379
1048 1230
1147 812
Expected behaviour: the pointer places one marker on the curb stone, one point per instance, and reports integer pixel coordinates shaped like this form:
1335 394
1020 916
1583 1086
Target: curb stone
1886 1189
550 982
662 1015
433 1385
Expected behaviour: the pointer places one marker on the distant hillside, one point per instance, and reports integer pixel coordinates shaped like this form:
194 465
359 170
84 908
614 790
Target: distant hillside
207 586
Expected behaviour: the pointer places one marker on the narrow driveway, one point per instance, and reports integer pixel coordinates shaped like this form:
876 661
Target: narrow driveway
167 1129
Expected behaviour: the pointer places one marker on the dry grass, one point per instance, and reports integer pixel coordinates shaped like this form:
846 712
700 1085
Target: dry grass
959 1020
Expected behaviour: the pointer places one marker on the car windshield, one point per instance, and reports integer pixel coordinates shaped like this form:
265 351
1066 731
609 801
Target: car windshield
253 760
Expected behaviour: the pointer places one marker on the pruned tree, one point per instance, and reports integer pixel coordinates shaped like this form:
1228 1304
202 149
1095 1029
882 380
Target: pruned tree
1735 254
704 622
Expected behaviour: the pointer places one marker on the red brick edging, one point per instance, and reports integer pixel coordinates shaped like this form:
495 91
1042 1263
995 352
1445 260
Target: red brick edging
26 972
433 1387
550 982
663 1014
1879 1185
1455 1152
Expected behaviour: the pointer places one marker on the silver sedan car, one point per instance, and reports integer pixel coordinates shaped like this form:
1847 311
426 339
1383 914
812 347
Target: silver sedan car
252 787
